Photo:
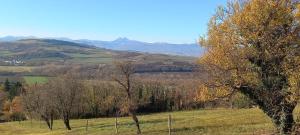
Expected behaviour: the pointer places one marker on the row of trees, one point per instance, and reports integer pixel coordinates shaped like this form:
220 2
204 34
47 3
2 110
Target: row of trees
12 89
10 101
56 99
69 97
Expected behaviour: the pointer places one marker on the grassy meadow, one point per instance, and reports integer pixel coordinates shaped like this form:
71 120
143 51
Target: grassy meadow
35 79
210 122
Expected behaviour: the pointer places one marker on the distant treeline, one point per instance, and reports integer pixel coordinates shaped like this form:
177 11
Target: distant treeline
103 98
82 92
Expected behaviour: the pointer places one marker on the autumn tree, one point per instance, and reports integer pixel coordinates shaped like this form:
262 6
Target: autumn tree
253 47
124 78
17 109
17 104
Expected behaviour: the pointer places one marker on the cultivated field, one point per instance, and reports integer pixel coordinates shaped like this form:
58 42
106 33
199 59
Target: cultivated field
212 122
16 69
35 79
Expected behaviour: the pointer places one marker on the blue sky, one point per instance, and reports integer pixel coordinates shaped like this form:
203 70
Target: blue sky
175 21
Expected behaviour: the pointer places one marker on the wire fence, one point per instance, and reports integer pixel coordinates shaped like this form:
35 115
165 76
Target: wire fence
173 123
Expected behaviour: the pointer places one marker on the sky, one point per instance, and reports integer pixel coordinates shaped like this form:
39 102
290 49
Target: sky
174 21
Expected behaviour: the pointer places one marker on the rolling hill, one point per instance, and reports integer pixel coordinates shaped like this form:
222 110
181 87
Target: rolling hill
125 44
40 52
32 51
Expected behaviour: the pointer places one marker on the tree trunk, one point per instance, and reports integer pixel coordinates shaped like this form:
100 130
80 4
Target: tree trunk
67 123
280 110
283 119
48 123
51 121
137 124
286 119
287 123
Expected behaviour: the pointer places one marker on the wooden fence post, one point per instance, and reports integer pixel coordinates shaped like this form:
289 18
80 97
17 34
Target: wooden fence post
87 125
31 122
116 125
170 124
40 123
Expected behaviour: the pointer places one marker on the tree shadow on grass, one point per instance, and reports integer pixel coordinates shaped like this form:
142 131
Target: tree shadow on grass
91 125
195 129
155 121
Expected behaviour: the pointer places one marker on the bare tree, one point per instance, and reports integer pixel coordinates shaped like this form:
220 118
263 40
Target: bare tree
66 90
125 80
37 100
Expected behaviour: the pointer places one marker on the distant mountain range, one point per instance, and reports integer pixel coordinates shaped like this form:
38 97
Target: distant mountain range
15 38
125 44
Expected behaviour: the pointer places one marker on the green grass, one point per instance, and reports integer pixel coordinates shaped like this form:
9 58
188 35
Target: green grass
206 122
35 79
5 53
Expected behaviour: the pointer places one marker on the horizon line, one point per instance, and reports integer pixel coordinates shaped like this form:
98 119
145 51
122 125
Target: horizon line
69 38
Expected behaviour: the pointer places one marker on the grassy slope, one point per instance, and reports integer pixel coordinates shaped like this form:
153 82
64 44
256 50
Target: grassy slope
217 121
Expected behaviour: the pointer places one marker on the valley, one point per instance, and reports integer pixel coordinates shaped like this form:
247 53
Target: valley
33 57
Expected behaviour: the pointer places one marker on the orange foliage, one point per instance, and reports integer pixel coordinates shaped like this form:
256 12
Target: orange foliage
17 104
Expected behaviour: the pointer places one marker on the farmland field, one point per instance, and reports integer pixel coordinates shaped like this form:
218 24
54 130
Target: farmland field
216 121
35 79
16 69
